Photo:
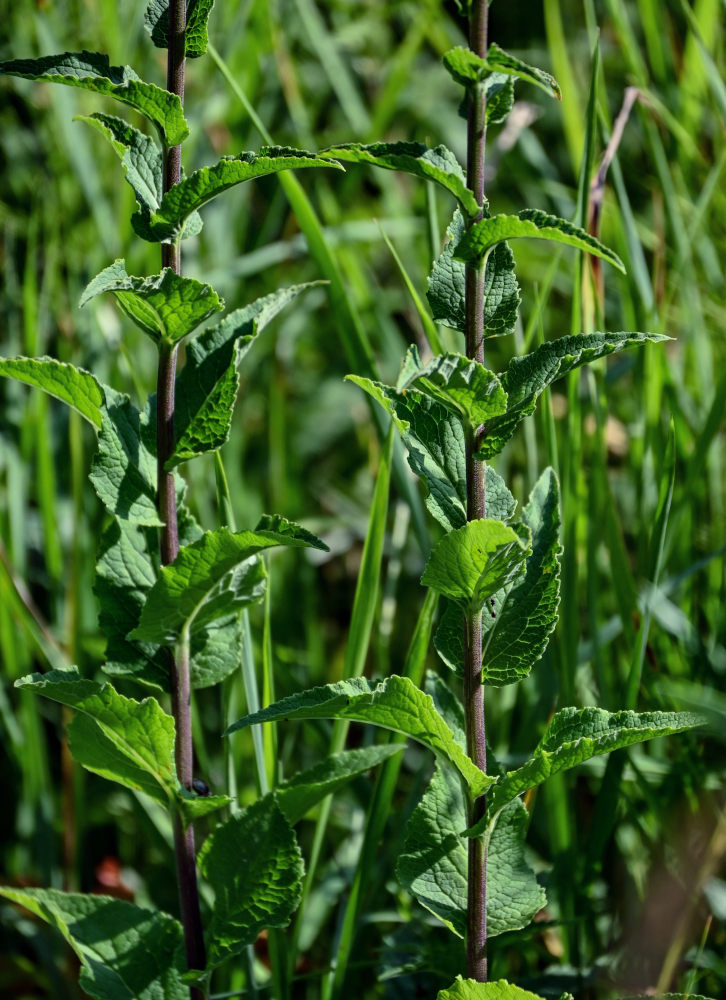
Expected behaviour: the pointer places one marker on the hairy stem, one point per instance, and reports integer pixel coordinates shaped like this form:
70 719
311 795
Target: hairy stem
179 675
476 936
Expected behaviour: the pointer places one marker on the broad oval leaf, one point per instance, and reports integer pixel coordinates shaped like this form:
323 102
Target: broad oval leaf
93 71
527 376
472 563
500 989
255 867
183 199
166 306
126 952
395 703
156 22
438 165
469 69
478 241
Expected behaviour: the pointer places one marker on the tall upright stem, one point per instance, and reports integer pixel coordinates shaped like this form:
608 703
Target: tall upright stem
476 936
179 674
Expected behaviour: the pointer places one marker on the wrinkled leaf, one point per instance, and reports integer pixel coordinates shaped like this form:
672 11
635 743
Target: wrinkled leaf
468 69
470 989
93 71
156 22
126 952
395 704
255 868
464 387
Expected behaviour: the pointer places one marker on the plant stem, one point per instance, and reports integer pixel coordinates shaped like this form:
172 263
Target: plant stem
476 936
179 674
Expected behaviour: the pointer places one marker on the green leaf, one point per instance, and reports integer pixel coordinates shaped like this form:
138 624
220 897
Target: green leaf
156 22
447 283
207 386
165 306
255 868
464 387
70 385
526 614
470 989
395 704
575 735
438 165
472 563
527 376
298 795
93 71
167 224
138 737
126 952
500 97
213 577
478 241
192 806
124 576
469 69
433 864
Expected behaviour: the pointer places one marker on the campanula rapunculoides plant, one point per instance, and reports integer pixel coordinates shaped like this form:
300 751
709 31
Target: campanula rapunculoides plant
497 575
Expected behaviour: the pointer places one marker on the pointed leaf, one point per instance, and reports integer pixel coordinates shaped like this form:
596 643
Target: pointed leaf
165 306
255 868
207 386
468 69
167 224
575 735
193 806
527 376
500 97
395 704
93 71
464 387
126 952
470 989
447 282
526 614
433 865
478 241
298 795
70 385
156 22
438 165
471 563
139 734
141 158
211 578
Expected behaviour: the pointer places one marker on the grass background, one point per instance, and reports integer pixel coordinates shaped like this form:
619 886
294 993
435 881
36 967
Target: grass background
631 849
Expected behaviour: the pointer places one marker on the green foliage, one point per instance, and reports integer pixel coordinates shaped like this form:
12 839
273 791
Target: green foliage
77 388
469 989
469 69
156 22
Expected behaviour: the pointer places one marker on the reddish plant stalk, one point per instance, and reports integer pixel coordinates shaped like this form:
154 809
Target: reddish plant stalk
476 936
179 674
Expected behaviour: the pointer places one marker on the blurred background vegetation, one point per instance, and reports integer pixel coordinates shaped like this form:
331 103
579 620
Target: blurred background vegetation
631 850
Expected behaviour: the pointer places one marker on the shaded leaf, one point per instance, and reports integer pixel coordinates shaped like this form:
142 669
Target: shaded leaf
500 97
193 806
468 69
126 952
527 376
93 71
255 868
438 165
156 22
395 704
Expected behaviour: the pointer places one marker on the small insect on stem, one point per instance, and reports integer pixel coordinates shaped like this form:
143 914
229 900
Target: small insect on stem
200 787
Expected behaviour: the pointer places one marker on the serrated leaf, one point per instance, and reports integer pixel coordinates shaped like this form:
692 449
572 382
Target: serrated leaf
575 735
212 577
124 576
526 614
472 563
206 388
469 69
298 795
470 989
438 165
527 376
464 387
192 806
500 97
70 385
93 71
395 703
478 241
433 864
255 868
126 952
138 736
167 224
447 284
165 306
156 22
